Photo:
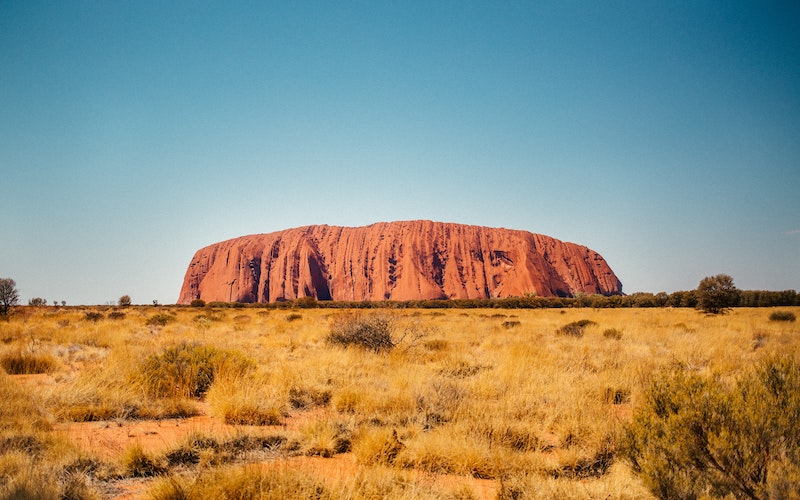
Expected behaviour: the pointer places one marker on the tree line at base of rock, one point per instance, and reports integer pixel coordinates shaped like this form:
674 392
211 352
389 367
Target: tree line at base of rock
746 298
714 294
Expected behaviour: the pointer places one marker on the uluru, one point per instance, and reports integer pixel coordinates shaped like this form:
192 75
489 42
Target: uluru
406 260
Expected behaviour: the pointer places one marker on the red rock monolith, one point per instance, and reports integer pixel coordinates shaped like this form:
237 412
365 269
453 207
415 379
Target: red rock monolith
408 260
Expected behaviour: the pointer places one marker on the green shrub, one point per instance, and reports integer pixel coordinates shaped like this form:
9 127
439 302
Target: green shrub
160 319
188 370
782 316
576 328
697 436
198 303
368 331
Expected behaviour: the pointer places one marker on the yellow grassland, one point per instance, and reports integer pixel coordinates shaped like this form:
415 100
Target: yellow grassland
477 397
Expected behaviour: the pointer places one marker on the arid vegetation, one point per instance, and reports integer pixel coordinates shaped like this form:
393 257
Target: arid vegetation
203 402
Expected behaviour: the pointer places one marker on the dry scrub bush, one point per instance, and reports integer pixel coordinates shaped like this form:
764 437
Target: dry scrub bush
372 331
160 319
576 328
376 331
782 316
93 316
702 435
209 451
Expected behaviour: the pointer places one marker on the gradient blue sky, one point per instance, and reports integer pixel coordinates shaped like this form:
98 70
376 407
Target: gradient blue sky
664 135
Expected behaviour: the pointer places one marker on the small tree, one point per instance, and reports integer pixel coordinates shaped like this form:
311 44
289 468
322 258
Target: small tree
37 302
125 301
716 294
9 296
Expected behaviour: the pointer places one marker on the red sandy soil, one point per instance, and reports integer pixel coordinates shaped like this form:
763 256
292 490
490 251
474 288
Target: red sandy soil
109 439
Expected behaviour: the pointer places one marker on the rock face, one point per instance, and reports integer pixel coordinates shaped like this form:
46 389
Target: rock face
408 260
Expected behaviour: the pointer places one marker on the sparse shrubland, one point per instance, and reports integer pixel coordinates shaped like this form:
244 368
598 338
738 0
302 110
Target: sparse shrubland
554 404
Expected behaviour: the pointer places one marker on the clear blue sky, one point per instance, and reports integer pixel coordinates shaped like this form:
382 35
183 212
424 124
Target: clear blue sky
664 135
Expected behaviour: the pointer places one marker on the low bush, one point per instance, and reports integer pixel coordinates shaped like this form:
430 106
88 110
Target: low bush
93 316
197 303
368 331
576 328
301 398
199 448
698 436
116 315
782 316
188 369
138 463
612 333
160 319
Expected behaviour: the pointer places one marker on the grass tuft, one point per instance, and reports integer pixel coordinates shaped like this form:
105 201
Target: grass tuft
136 462
25 362
188 369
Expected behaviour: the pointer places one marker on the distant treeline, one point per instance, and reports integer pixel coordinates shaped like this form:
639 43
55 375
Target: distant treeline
746 298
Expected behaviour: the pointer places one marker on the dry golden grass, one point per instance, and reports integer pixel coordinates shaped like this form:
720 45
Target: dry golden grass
498 395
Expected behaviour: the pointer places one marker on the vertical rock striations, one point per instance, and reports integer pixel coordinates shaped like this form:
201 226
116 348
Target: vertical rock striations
409 260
